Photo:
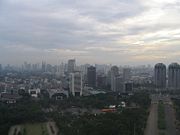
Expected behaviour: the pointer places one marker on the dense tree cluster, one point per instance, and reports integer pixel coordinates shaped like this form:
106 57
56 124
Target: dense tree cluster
25 111
128 122
177 107
98 101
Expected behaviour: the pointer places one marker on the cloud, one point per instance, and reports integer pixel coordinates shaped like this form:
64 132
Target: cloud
100 31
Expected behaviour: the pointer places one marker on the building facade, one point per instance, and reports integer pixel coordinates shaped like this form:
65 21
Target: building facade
91 76
127 74
174 76
76 84
160 75
71 65
114 75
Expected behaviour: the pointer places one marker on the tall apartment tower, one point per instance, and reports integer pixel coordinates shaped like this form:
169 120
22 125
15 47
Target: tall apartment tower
76 84
91 76
71 65
160 75
114 75
174 76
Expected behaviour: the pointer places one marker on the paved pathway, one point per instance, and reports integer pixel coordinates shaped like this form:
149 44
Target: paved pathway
13 128
151 128
54 128
170 120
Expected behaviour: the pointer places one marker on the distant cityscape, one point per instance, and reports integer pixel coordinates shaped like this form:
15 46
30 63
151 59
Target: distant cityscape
69 79
72 90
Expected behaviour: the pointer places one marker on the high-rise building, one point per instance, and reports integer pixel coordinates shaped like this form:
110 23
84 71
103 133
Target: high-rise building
91 76
76 84
0 68
43 67
174 76
61 69
101 81
48 68
71 65
114 74
127 74
120 84
160 75
128 87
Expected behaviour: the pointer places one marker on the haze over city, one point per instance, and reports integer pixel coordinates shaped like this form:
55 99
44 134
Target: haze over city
106 31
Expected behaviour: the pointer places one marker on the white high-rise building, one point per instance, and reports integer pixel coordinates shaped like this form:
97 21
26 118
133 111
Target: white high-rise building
76 83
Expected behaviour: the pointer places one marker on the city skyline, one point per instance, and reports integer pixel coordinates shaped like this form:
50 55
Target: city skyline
127 32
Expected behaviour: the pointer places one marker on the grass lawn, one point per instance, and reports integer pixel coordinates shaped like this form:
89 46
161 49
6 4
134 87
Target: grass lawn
34 129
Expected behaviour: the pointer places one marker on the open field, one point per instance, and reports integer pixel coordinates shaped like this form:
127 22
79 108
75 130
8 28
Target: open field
35 129
30 129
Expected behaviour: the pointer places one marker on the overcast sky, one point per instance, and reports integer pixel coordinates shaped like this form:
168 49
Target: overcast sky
92 31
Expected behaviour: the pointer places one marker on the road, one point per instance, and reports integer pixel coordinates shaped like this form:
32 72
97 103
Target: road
170 118
13 128
151 128
52 126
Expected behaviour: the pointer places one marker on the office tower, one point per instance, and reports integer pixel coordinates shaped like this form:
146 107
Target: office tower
119 84
71 65
127 74
160 75
174 76
43 66
62 69
76 84
101 81
49 68
27 66
0 68
114 74
91 76
34 67
128 86
108 80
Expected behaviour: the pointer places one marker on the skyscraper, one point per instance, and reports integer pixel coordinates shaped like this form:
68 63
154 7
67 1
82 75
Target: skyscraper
43 66
174 76
0 68
114 74
160 75
71 65
119 84
76 84
127 74
91 76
